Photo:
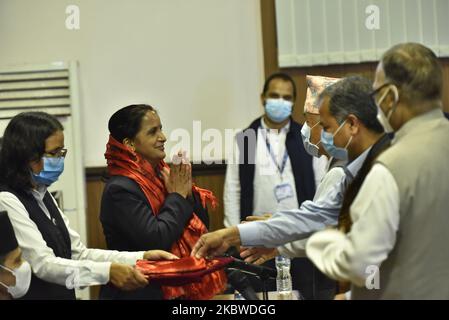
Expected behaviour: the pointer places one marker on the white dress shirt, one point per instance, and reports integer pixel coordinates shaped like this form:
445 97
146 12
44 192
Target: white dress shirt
87 267
375 216
266 177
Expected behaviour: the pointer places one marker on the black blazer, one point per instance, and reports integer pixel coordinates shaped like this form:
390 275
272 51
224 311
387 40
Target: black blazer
129 225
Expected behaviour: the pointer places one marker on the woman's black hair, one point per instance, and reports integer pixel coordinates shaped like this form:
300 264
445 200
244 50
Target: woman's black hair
125 123
22 143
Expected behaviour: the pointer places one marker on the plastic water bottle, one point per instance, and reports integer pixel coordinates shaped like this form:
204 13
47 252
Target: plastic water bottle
284 279
238 296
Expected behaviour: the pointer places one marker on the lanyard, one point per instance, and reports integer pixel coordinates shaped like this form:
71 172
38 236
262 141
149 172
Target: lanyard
280 167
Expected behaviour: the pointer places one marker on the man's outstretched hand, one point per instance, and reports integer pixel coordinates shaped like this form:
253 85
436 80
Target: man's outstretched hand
258 255
216 243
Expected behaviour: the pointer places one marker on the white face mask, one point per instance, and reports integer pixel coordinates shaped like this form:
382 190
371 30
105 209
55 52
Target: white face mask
23 280
383 119
311 148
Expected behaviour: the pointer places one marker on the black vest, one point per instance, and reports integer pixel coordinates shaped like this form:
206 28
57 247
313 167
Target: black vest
56 235
300 160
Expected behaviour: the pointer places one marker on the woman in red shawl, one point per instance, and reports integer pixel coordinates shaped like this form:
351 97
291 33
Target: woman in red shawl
146 205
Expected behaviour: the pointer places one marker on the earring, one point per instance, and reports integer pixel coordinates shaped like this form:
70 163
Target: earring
131 148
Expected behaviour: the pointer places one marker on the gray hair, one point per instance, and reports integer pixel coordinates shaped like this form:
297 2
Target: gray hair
416 70
351 95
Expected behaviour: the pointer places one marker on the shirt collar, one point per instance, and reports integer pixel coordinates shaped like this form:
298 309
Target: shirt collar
416 121
284 129
357 163
39 191
334 162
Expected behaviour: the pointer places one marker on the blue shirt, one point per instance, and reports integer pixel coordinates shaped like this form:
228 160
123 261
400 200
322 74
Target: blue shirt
289 225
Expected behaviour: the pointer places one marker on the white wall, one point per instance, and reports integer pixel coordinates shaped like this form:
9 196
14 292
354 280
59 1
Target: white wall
191 59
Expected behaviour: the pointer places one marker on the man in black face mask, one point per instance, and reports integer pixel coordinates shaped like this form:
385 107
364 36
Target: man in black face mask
15 273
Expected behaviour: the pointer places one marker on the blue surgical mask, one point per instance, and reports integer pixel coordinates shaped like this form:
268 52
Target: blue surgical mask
310 148
278 110
53 167
327 139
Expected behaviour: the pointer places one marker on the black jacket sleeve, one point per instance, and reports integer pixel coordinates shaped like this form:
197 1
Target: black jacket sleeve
128 218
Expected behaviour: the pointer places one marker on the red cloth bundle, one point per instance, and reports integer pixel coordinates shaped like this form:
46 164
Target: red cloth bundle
181 271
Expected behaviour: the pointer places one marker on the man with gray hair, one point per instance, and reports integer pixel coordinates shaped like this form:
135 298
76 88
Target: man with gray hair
397 246
350 130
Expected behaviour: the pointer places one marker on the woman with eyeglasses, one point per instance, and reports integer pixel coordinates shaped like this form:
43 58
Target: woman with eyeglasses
31 159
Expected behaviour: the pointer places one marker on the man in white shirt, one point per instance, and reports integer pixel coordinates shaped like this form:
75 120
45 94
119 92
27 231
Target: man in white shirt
271 160
271 171
397 246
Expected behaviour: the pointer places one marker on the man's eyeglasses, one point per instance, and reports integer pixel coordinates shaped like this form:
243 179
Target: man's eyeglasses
56 154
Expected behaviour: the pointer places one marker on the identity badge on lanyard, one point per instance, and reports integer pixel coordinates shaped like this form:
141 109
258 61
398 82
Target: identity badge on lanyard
282 191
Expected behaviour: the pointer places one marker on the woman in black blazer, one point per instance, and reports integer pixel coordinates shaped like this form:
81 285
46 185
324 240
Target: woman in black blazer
145 205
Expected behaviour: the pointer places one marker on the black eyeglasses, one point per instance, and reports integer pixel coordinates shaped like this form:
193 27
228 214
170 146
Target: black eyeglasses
56 154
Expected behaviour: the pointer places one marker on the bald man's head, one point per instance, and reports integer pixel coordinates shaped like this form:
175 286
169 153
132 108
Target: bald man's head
415 70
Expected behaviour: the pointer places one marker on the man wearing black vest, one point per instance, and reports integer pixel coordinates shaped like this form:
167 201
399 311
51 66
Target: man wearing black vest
271 171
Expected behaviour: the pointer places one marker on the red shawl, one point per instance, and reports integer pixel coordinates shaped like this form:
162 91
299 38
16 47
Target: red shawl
124 162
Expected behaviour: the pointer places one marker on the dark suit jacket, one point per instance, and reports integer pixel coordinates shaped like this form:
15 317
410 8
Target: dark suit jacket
129 225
